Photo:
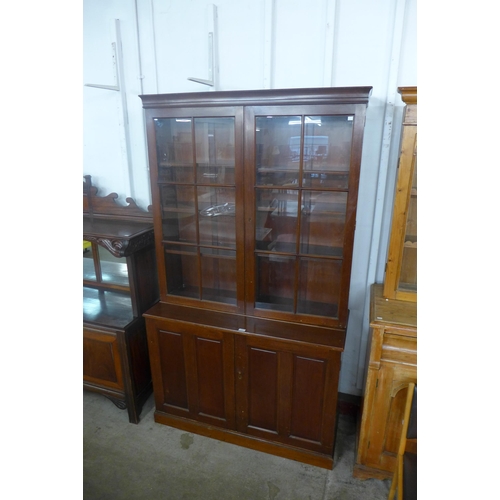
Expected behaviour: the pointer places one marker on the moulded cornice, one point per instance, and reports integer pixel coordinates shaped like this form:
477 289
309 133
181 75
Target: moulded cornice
408 94
322 95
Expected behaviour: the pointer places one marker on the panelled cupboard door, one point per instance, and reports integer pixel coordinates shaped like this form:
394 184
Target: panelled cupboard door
193 371
102 360
286 392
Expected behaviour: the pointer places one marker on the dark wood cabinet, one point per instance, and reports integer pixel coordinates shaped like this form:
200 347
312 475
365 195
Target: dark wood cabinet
254 203
119 283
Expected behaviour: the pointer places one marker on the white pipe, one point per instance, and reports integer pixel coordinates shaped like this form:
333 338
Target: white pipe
269 31
391 94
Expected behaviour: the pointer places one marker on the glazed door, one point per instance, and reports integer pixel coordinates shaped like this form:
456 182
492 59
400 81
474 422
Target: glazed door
301 177
286 392
197 193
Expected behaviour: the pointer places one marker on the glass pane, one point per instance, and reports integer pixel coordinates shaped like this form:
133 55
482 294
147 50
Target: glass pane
179 213
218 275
319 285
215 150
278 145
107 307
216 207
88 262
276 219
408 277
322 222
174 149
181 262
113 269
275 282
327 151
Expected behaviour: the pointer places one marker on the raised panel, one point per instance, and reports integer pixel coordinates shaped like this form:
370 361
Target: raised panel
263 389
307 398
287 392
210 377
101 360
173 369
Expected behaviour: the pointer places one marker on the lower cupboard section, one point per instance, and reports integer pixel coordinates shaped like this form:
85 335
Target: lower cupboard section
274 395
116 365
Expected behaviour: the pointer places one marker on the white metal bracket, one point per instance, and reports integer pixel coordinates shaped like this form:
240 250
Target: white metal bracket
115 87
118 71
213 54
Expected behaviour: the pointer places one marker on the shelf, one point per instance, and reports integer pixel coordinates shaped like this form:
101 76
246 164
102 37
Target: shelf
106 307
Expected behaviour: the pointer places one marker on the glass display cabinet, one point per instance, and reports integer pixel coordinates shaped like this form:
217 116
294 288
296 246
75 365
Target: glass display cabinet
401 271
119 284
254 204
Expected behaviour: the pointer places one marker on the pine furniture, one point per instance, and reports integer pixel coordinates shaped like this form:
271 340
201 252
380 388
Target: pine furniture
392 349
401 271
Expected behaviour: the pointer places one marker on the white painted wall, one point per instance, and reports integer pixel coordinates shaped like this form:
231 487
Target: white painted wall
261 44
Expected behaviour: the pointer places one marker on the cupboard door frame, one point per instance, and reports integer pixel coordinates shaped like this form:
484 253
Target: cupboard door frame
193 364
403 193
285 395
235 112
358 112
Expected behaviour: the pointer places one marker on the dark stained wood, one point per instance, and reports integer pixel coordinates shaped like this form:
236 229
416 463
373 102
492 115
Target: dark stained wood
115 349
107 206
257 365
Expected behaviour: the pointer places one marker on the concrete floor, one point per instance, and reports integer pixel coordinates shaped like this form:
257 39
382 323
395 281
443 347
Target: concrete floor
150 461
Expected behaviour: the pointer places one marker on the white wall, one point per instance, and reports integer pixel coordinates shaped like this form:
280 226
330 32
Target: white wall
261 44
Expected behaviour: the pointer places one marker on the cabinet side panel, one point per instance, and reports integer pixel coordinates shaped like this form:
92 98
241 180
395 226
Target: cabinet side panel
173 369
147 279
262 388
209 360
139 359
307 399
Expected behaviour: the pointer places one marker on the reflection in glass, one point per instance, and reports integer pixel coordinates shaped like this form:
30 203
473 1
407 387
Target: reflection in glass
218 269
302 180
408 277
174 149
113 269
324 148
216 207
278 150
181 264
275 282
322 222
196 161
179 209
319 286
215 150
276 219
89 272
104 267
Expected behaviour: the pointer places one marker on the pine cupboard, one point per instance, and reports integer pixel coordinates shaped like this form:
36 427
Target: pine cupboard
401 269
392 365
254 206
392 350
